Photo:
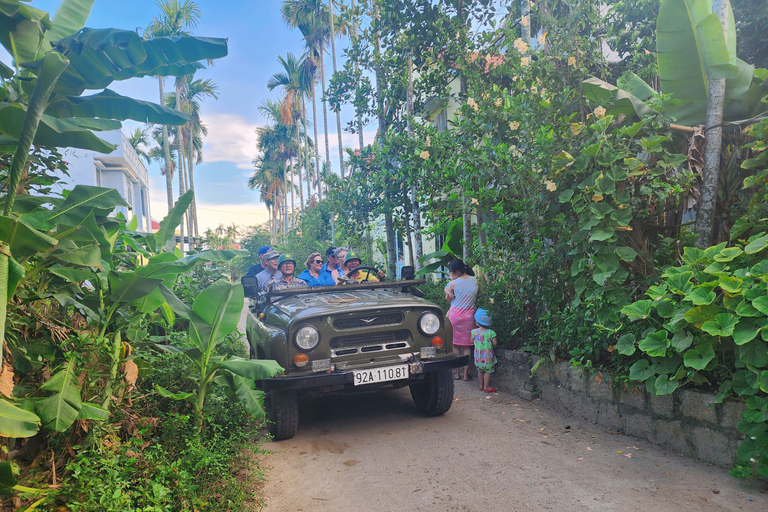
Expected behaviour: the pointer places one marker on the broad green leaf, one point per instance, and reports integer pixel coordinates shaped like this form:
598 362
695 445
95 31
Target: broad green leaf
746 309
626 253
72 275
110 105
23 29
175 396
616 101
655 344
638 310
716 269
73 211
90 411
699 357
681 283
681 341
626 344
26 241
722 325
565 195
7 480
745 383
761 304
664 386
219 306
700 297
762 382
169 224
760 269
656 292
754 353
252 399
86 256
747 328
666 308
700 314
666 365
70 17
16 422
692 255
640 371
757 245
60 410
129 286
253 369
728 254
601 234
67 300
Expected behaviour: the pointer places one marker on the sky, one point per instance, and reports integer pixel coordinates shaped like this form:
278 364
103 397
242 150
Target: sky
256 36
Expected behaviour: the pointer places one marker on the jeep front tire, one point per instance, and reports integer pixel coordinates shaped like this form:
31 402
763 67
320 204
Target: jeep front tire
434 395
282 410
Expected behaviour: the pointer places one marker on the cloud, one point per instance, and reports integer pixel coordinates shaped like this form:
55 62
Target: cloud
230 139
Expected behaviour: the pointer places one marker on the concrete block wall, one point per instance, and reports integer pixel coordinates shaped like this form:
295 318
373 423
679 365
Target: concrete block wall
687 421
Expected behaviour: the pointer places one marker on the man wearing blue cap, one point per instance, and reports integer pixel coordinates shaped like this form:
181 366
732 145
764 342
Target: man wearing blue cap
259 267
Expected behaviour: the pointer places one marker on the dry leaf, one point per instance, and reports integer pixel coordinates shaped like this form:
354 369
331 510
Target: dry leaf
628 455
130 372
6 380
589 449
632 448
580 458
545 437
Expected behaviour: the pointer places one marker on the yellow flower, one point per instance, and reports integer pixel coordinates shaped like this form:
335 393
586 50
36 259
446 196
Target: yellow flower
525 21
497 102
600 112
543 90
534 89
543 38
429 141
471 103
521 45
597 198
551 186
514 79
424 154
484 95
572 61
524 61
514 125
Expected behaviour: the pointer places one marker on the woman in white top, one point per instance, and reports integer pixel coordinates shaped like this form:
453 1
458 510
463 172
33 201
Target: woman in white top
461 292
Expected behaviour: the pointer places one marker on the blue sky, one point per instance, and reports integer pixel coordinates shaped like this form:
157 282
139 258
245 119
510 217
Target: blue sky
256 35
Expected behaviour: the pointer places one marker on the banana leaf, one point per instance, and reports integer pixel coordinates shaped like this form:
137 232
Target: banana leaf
16 422
691 49
616 101
22 29
69 17
110 105
79 203
23 240
253 369
219 306
171 221
61 409
100 56
129 286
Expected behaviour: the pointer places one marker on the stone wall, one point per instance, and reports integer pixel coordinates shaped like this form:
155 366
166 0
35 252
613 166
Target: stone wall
688 422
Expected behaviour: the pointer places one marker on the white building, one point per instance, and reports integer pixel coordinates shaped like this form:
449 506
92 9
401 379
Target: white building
122 170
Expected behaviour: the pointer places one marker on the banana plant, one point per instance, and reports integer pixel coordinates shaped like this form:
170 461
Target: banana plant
691 49
213 315
447 252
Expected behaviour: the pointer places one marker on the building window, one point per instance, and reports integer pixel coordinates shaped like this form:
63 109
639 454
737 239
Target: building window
441 121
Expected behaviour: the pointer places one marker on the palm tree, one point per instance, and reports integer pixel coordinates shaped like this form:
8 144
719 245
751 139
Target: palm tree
139 141
332 23
311 18
175 18
294 84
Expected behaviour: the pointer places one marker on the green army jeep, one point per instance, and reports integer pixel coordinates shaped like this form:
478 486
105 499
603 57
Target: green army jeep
350 338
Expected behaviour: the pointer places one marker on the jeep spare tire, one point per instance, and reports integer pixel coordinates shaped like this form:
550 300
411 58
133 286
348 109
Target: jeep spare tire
282 410
434 395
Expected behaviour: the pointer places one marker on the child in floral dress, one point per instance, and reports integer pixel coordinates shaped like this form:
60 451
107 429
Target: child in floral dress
484 339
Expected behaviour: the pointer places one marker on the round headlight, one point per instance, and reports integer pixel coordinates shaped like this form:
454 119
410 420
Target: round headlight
429 323
307 337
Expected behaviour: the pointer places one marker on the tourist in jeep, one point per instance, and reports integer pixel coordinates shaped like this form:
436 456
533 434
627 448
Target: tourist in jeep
351 262
286 266
270 274
314 275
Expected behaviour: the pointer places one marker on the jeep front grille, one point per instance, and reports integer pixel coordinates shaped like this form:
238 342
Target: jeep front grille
359 322
392 339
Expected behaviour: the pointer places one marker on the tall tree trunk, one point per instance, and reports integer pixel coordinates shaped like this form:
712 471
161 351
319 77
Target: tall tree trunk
180 156
407 209
414 203
293 191
466 214
167 153
299 163
525 22
338 112
317 147
191 157
357 70
284 210
705 213
306 150
325 105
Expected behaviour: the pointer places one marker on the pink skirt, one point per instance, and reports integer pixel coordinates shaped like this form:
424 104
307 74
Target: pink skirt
463 321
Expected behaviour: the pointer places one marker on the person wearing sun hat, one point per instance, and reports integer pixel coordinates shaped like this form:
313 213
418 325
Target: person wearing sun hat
484 339
286 265
351 262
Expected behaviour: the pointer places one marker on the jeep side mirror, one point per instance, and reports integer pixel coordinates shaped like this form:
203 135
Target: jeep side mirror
407 272
250 286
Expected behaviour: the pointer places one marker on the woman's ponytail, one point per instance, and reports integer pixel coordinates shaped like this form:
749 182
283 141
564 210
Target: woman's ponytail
458 266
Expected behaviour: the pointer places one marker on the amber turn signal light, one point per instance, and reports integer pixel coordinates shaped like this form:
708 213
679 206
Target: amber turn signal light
437 341
300 360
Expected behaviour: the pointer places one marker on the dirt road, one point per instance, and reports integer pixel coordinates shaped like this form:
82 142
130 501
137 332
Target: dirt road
376 453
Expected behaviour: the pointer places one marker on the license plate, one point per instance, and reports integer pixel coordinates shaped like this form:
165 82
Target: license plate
380 374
